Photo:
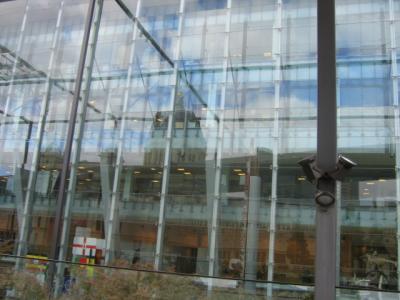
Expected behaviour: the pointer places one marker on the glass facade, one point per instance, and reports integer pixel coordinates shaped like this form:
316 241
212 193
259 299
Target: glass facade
191 118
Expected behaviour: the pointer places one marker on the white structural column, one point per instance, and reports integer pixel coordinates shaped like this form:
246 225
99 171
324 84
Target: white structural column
112 221
44 106
106 159
252 230
276 44
168 147
396 112
219 144
77 142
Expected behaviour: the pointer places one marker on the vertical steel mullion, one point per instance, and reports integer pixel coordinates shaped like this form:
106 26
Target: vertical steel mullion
17 164
104 160
18 170
277 36
396 116
10 90
77 142
168 148
23 234
104 157
338 228
220 144
338 191
113 208
69 140
15 65
325 262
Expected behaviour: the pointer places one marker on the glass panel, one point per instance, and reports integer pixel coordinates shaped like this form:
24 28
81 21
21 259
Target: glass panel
37 71
367 134
295 212
117 164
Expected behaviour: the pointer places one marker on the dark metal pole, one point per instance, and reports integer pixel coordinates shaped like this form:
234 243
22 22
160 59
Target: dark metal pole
69 141
325 263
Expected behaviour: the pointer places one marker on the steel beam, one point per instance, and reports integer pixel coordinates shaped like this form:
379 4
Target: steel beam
325 262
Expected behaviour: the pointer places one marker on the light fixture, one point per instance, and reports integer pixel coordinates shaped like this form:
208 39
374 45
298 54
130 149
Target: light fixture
81 168
370 183
382 180
155 181
301 178
153 169
187 173
137 172
237 170
90 171
88 179
268 54
181 169
241 174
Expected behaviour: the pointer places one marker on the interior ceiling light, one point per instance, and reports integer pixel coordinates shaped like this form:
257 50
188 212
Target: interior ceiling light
181 169
187 173
237 170
267 54
241 174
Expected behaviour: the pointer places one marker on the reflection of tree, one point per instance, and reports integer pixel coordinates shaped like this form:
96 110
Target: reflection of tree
379 269
6 247
297 253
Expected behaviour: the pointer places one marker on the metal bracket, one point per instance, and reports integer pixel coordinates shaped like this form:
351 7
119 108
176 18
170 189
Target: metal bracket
316 175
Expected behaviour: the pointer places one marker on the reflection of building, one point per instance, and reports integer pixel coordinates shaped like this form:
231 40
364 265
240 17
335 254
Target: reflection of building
188 134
